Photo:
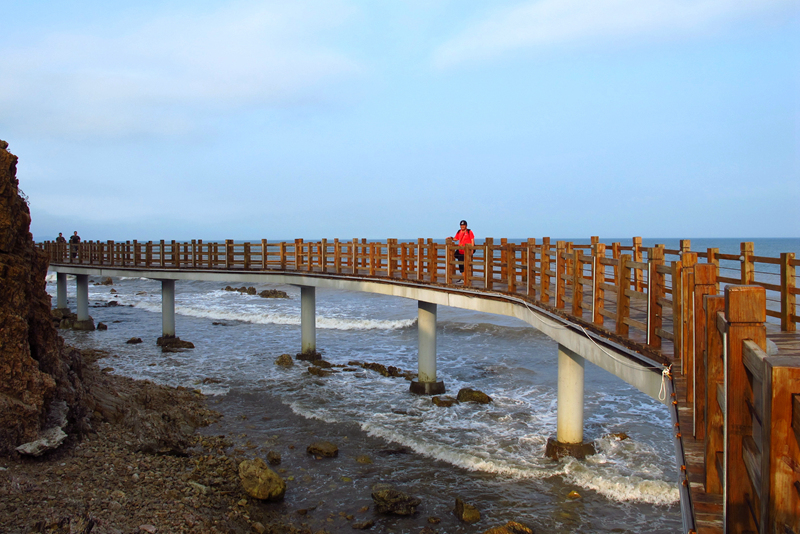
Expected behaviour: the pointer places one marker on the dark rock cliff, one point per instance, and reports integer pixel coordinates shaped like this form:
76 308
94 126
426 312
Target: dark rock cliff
36 369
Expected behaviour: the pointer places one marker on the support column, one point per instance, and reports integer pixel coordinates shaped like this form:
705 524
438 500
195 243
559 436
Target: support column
83 296
426 383
168 308
569 432
308 318
61 291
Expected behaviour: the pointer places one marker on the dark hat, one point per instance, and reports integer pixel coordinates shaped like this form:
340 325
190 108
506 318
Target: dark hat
463 222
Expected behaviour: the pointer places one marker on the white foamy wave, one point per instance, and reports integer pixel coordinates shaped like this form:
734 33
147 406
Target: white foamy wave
621 487
53 277
333 323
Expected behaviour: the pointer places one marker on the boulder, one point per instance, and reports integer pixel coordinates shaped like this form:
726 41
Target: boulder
466 512
261 482
321 363
274 458
107 281
444 402
168 343
102 326
377 367
473 395
134 341
284 360
50 439
323 448
389 500
319 371
512 527
273 294
86 325
555 450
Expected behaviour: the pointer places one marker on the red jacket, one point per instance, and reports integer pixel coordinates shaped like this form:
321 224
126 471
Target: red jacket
464 237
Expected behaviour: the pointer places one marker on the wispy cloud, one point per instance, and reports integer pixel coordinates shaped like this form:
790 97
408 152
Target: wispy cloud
542 23
154 78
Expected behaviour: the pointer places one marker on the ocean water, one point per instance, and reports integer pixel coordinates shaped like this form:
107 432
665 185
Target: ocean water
489 455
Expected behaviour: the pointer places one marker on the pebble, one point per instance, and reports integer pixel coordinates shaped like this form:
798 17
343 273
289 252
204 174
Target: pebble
148 528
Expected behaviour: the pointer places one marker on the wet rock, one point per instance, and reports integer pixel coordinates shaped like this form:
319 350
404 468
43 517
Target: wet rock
284 360
229 288
168 343
428 530
619 436
107 281
392 452
261 482
355 362
363 459
434 520
573 495
322 363
377 367
555 450
389 500
102 326
308 356
512 527
466 512
86 325
363 525
273 458
273 294
323 448
112 303
113 290
319 371
444 402
134 341
473 395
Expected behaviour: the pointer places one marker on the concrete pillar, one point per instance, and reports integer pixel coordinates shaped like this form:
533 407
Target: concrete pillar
308 318
570 396
61 291
569 432
168 308
426 326
83 296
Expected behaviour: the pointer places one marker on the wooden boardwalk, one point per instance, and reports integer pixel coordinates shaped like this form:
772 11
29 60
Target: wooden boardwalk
736 401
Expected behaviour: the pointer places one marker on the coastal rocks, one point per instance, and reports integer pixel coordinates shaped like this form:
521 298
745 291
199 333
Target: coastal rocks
247 290
466 512
274 458
324 449
284 360
261 482
473 395
319 371
389 500
107 281
134 341
363 525
363 459
85 325
36 369
322 363
102 326
171 343
50 439
273 294
512 527
555 450
444 402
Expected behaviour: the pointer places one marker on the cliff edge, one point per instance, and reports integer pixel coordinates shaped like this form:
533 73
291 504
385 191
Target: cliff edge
39 376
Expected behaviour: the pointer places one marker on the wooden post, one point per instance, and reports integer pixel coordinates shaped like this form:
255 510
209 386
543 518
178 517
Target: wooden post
713 460
310 262
228 253
337 256
745 311
705 279
689 260
615 253
598 279
488 263
677 311
391 253
469 251
788 296
194 254
298 254
282 255
449 261
247 256
420 256
531 268
623 300
561 273
655 292
323 256
748 269
544 279
577 283
638 282
364 252
511 267
403 261
713 259
503 258
264 255
161 254
685 246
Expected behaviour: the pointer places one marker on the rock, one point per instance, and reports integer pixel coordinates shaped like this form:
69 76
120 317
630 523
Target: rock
308 356
273 458
261 482
318 371
87 325
112 303
363 459
134 341
50 439
377 367
258 528
619 436
573 495
512 527
389 500
323 448
113 290
444 402
322 363
466 512
434 520
148 528
285 360
273 294
427 529
168 343
36 368
102 326
473 395
363 525
107 281
199 487
555 450
229 288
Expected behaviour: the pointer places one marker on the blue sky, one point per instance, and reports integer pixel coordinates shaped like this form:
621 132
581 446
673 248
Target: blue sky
250 120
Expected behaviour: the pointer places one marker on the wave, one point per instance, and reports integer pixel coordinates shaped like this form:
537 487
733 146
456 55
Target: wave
331 323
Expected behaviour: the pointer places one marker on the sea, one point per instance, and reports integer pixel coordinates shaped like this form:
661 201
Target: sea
490 456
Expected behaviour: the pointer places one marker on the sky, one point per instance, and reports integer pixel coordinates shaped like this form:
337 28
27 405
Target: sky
361 118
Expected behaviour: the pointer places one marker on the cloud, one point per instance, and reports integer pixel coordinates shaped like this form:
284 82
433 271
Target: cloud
156 77
543 23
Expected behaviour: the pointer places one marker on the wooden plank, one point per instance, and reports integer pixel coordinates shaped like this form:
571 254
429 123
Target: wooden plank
623 301
713 435
599 253
788 295
752 461
705 284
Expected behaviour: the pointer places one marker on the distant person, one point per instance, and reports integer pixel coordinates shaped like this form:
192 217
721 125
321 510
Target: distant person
464 236
61 243
74 239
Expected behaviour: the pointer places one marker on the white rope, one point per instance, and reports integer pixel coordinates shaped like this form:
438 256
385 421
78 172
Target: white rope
662 393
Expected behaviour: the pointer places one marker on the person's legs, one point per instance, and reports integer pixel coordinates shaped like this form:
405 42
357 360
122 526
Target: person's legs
460 259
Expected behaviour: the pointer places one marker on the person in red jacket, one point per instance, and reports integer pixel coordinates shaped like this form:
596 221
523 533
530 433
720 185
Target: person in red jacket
463 237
